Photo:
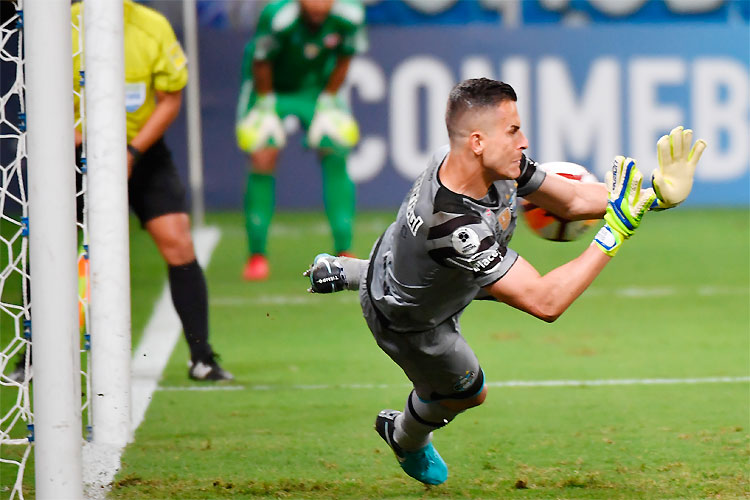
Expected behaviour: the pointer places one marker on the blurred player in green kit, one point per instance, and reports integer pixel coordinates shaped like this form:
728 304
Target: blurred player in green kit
294 66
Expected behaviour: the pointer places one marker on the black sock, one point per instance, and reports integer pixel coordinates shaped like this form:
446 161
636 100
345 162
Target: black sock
190 299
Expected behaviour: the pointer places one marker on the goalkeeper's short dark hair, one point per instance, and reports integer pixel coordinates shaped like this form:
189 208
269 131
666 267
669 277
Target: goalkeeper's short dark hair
473 94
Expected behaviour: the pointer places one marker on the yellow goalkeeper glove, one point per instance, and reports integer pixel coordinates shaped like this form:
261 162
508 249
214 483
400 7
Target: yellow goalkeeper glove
262 127
673 180
626 206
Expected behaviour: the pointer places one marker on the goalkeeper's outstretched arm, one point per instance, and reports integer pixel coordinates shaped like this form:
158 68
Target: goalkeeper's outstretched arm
547 297
569 199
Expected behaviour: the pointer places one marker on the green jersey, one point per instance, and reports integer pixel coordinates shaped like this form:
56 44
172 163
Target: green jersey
303 59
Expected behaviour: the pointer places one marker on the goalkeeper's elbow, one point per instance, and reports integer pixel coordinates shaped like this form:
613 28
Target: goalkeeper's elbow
548 314
549 308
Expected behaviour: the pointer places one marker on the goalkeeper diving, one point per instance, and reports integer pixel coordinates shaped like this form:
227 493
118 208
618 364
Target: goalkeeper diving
294 66
450 245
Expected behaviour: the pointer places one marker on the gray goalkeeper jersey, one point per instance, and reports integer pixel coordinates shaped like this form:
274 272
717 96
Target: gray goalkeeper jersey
442 249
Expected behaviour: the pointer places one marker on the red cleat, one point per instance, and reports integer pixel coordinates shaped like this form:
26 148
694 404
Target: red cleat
347 254
256 269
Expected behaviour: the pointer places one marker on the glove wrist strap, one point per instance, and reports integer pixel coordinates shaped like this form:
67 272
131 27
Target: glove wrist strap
608 240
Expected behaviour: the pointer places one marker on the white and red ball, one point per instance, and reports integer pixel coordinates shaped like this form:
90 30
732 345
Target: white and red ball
550 226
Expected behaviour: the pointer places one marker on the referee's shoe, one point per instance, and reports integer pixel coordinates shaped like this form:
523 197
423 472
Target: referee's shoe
425 465
208 370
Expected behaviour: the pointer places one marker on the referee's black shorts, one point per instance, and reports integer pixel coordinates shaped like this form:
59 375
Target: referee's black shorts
154 187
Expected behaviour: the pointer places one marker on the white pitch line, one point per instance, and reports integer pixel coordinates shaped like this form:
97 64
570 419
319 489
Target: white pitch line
303 298
318 228
507 383
625 381
160 335
200 388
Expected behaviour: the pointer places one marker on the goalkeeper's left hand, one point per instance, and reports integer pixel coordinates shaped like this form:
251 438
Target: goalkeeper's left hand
332 127
626 206
673 179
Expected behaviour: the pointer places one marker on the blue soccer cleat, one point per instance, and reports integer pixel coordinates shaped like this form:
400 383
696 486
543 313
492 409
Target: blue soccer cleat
425 465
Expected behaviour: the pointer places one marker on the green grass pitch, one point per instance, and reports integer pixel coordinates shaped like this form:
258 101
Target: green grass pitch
674 304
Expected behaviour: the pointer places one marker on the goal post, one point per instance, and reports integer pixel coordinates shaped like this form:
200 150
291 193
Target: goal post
106 135
193 110
52 250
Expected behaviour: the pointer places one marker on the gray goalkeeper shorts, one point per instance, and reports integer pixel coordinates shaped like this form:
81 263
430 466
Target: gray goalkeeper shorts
439 362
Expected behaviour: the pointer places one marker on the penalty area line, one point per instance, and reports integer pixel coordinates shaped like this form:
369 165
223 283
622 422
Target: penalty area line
507 383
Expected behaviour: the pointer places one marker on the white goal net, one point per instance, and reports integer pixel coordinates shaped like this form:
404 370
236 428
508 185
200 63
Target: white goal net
16 356
16 420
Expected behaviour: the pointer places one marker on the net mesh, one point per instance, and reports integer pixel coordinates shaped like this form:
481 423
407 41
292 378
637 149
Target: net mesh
15 313
16 367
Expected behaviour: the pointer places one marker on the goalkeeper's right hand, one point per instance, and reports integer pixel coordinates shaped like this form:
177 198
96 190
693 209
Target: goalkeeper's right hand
261 128
673 179
626 206
326 275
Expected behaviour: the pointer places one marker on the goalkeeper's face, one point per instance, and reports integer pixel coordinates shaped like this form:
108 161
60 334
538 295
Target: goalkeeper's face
316 11
504 141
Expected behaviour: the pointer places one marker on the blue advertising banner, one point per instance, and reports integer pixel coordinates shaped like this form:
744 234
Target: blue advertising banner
228 14
585 95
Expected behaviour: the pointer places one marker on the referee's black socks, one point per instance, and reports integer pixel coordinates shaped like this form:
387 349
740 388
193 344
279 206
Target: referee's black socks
190 299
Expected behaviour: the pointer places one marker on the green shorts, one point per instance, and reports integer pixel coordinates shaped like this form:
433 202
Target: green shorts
299 104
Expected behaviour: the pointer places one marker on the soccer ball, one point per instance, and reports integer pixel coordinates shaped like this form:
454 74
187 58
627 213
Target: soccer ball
549 226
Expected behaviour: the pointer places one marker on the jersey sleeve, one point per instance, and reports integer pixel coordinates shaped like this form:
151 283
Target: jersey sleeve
246 83
354 37
170 68
264 44
465 242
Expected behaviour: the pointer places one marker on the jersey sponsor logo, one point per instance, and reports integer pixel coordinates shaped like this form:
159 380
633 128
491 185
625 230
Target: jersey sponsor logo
504 218
489 260
135 96
465 241
331 40
310 50
413 220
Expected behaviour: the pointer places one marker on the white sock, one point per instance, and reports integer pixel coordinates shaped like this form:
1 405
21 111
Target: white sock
415 425
418 438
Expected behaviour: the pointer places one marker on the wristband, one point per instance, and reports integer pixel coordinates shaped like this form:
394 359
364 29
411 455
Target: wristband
137 154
